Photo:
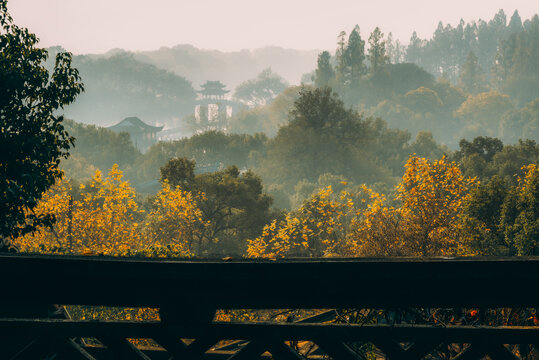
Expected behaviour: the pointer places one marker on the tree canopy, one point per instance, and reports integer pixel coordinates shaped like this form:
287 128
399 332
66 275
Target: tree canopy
261 90
32 136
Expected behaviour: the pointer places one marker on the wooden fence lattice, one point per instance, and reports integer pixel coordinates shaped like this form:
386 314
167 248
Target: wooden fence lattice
189 292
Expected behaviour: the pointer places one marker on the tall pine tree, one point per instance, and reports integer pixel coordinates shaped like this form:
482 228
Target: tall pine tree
471 77
377 50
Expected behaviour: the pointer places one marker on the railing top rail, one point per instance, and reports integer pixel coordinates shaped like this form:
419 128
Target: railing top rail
298 283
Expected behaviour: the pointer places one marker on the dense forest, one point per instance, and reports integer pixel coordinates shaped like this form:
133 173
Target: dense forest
384 149
428 151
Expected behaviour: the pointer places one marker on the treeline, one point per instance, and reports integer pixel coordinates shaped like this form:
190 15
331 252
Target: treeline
355 164
326 157
408 97
321 137
119 85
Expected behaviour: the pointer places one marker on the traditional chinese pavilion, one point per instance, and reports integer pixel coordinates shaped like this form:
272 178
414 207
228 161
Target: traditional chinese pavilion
213 90
142 135
213 109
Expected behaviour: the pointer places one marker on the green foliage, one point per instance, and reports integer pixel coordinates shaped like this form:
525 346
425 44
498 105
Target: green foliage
517 64
120 85
522 123
485 157
179 172
324 73
354 58
482 113
481 218
32 136
93 148
520 214
377 50
445 52
471 77
266 119
502 218
425 146
423 100
398 79
233 203
484 146
323 136
261 90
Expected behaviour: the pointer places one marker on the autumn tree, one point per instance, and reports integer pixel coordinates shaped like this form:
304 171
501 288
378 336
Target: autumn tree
317 229
425 222
175 222
233 205
432 196
103 220
103 217
32 136
422 219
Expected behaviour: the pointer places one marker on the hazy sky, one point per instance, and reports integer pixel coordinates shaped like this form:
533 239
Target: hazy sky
91 26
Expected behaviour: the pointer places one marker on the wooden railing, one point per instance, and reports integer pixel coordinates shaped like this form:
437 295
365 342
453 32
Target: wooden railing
188 293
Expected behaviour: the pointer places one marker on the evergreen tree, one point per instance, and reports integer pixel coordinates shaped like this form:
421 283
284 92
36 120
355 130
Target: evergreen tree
341 58
377 50
391 49
517 64
471 77
355 57
415 49
515 24
324 73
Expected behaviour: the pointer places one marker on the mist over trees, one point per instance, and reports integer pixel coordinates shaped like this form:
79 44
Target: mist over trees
427 148
463 82
120 86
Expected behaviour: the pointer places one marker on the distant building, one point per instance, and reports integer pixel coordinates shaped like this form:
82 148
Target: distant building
213 108
142 135
213 90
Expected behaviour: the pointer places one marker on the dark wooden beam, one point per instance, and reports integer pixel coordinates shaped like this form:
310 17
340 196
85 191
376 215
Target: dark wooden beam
209 334
337 350
122 348
378 283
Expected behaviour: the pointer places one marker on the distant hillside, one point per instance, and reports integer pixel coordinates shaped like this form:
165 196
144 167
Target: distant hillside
231 68
159 86
119 86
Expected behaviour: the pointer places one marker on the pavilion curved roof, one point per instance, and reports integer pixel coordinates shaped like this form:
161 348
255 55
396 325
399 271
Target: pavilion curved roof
134 124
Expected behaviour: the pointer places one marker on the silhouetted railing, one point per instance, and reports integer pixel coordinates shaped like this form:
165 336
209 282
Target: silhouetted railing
189 292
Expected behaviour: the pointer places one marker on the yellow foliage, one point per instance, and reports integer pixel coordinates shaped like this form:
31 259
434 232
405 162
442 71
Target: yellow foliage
106 220
430 194
176 220
314 230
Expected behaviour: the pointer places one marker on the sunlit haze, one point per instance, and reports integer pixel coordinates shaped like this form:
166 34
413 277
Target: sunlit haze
97 26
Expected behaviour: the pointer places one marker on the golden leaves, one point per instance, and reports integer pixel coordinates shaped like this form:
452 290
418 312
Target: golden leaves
426 222
106 219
